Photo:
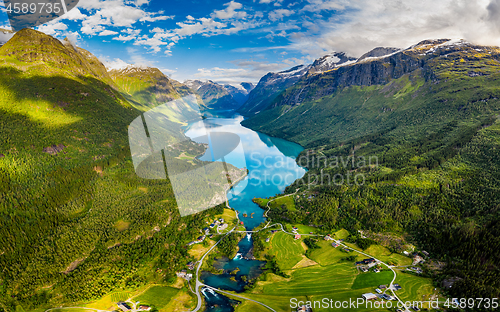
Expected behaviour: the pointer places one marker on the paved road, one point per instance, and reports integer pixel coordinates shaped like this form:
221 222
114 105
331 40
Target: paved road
238 296
390 267
200 264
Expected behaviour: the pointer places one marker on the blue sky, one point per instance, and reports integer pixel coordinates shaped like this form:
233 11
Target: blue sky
241 40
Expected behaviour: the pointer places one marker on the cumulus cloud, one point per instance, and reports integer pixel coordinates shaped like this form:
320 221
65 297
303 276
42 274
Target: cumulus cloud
245 70
114 64
108 32
230 11
364 24
279 14
52 28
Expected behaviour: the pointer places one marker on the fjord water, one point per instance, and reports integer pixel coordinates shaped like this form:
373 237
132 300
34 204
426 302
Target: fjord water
271 168
270 162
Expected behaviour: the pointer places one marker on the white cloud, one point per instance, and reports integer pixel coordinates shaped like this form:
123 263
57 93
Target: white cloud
152 18
168 72
130 34
52 28
325 5
274 2
245 70
230 11
366 24
279 14
73 36
108 32
74 15
114 64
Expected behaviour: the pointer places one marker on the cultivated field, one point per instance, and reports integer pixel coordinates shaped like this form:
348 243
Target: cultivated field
287 250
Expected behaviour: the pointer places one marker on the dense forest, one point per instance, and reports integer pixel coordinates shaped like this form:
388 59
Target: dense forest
76 222
450 209
408 144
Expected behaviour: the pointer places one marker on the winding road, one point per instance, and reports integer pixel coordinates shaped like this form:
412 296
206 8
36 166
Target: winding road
200 284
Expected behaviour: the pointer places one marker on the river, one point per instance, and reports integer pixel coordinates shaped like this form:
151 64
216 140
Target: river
271 168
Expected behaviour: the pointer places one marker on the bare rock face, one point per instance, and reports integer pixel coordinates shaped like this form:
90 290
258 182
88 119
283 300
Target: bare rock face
378 52
54 149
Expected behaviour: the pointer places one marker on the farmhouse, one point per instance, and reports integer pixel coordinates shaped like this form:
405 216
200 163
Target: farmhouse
369 296
335 245
124 307
297 236
182 274
417 259
304 308
366 261
144 308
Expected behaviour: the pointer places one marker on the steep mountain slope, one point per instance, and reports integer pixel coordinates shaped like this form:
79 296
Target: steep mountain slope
329 62
220 97
375 94
240 93
406 143
75 220
145 85
270 86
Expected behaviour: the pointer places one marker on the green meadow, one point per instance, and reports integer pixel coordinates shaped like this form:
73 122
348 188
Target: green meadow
332 277
158 296
287 250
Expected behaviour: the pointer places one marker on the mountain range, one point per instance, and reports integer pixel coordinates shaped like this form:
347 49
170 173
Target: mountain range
89 225
220 97
428 114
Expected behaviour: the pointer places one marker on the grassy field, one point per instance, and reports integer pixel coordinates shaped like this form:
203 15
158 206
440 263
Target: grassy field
383 254
278 303
249 306
302 229
180 302
287 250
198 250
315 280
284 200
109 301
327 254
159 296
414 287
229 216
331 278
342 234
372 279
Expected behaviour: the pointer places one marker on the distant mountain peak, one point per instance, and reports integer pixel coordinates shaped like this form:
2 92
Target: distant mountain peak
379 52
330 61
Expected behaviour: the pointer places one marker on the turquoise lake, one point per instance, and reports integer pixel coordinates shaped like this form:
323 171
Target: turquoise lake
271 168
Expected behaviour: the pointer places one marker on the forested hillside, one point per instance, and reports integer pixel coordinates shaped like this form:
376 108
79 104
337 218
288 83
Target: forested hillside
75 220
427 117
